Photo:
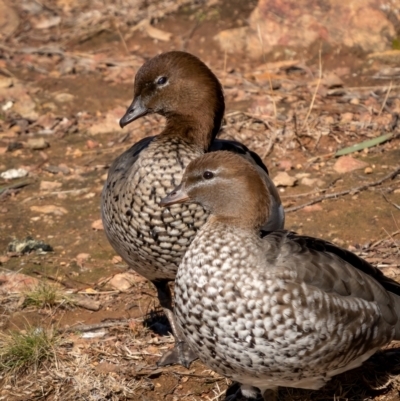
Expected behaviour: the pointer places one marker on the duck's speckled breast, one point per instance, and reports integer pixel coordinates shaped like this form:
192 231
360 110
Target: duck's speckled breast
254 322
151 239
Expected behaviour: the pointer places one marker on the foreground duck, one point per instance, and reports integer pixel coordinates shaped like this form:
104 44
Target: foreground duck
272 308
150 239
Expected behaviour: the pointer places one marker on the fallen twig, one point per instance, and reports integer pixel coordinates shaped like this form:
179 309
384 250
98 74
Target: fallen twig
311 193
96 326
346 192
375 244
315 92
4 190
392 203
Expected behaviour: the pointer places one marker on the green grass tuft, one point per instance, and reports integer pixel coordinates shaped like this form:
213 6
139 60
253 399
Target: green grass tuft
46 295
21 350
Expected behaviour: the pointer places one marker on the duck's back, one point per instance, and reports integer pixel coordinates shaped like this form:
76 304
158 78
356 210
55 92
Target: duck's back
150 239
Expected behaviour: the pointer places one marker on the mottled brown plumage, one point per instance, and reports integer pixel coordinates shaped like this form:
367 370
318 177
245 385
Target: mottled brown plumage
150 239
273 308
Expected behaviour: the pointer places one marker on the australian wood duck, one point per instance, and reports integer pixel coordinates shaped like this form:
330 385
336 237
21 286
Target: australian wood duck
150 239
272 308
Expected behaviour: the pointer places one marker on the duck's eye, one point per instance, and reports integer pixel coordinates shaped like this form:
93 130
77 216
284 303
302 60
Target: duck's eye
162 80
207 175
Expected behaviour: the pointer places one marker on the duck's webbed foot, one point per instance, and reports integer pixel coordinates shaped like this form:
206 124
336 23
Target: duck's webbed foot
181 353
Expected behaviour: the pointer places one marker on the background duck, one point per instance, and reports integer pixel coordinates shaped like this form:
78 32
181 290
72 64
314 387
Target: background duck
273 308
152 240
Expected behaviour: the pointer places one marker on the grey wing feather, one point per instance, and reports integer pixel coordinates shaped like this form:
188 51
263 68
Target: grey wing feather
125 161
335 271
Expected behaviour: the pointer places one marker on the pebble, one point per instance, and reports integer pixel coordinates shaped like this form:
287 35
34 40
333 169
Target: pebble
64 169
122 281
49 209
64 97
37 144
49 185
283 179
82 257
14 173
91 144
97 225
7 105
312 182
345 164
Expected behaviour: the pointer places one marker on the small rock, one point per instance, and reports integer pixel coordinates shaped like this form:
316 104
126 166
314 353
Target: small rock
6 82
97 225
37 144
64 97
368 170
4 259
285 165
346 117
283 179
25 107
331 80
91 144
82 257
7 105
109 123
116 259
123 281
46 23
51 169
14 173
16 282
77 153
312 182
302 175
345 164
49 185
64 169
50 209
87 303
338 241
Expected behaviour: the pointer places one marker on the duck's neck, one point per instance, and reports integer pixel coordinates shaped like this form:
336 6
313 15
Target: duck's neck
199 131
238 224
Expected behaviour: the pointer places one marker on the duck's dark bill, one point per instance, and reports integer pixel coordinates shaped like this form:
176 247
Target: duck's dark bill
178 195
135 110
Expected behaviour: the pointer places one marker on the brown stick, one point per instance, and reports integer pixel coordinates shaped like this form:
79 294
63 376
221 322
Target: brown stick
346 192
375 244
96 326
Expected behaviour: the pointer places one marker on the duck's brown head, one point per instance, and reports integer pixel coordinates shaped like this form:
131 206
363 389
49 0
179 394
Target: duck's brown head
226 185
182 88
